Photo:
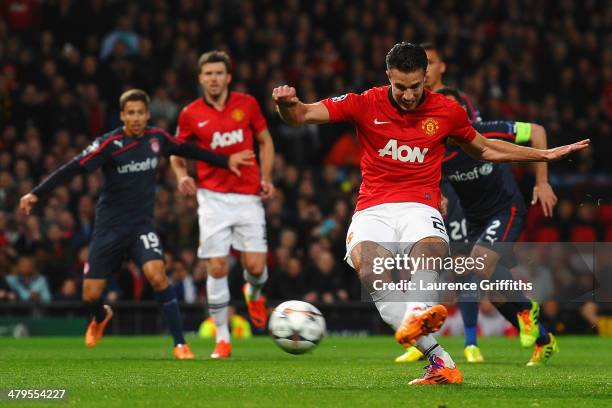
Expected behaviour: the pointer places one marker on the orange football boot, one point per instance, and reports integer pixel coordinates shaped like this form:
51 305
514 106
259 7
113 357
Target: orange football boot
438 373
183 352
95 330
419 324
223 349
257 309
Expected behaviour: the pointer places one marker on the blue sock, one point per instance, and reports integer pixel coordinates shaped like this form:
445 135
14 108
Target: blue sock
469 313
471 336
96 310
544 338
468 305
167 300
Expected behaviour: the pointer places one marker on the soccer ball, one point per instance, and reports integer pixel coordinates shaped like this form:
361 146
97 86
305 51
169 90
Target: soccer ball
297 327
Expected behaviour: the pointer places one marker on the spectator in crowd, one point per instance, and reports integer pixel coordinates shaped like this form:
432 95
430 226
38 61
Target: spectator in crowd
27 283
183 283
574 317
162 107
325 280
6 293
289 281
69 291
57 256
58 89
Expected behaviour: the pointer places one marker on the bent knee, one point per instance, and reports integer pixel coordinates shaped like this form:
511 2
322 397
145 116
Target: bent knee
255 264
217 267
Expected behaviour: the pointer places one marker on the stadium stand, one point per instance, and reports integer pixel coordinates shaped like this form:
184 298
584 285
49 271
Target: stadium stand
59 90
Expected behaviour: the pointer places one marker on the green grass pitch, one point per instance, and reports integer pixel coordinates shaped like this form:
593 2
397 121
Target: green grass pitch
341 372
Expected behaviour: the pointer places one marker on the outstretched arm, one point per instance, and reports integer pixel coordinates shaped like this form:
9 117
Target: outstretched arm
60 176
186 184
231 162
481 148
542 191
525 133
295 112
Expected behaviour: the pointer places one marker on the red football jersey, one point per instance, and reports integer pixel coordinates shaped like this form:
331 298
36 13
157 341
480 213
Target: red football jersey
401 151
227 131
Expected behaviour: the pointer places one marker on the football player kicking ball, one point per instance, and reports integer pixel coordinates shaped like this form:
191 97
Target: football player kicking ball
129 158
495 215
403 129
230 208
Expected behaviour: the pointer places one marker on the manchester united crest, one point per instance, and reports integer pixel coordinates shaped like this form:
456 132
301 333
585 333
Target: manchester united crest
430 126
349 238
238 115
154 145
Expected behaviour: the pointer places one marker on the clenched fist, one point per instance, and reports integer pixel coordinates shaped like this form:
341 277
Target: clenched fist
285 95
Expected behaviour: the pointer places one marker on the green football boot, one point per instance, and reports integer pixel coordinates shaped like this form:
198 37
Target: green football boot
472 354
528 321
543 353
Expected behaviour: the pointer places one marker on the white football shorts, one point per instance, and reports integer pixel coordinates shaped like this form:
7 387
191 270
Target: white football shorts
394 226
230 219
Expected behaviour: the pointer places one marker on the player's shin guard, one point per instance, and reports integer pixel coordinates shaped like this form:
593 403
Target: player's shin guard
255 283
391 305
169 305
217 292
96 310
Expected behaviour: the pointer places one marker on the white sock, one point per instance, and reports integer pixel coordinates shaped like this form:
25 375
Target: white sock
422 278
255 283
438 351
429 346
391 305
218 294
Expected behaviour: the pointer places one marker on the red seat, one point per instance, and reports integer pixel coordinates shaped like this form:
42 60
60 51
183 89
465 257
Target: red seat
547 234
535 216
583 233
605 214
609 234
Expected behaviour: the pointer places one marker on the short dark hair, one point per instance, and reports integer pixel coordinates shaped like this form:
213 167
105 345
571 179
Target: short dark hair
407 57
430 46
134 95
215 56
452 92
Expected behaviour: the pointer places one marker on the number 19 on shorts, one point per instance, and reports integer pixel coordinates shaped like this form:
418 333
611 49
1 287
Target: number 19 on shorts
150 240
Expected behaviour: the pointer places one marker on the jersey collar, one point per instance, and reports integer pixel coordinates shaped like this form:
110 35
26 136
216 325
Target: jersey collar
399 108
225 102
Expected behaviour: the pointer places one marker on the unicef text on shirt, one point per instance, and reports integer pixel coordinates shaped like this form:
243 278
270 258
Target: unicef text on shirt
134 167
473 174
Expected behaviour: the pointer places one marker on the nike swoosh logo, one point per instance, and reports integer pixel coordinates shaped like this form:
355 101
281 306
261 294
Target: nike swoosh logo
378 122
202 124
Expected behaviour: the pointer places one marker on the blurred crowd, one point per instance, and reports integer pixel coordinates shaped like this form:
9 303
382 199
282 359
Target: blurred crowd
64 63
